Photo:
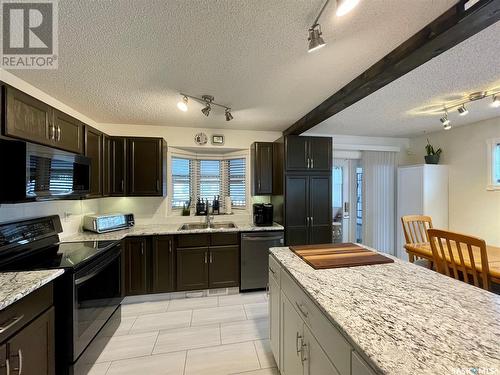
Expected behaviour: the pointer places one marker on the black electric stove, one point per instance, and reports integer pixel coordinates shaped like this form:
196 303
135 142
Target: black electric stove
86 295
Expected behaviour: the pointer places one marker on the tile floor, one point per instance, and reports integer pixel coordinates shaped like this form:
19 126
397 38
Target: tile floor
218 335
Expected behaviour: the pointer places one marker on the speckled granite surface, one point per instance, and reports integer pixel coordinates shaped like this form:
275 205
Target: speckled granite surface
404 318
162 229
16 285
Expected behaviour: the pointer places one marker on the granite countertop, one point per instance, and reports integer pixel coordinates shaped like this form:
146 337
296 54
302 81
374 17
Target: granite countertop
163 229
16 285
406 319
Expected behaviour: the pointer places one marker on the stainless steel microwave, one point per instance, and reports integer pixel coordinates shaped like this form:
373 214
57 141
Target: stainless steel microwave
33 172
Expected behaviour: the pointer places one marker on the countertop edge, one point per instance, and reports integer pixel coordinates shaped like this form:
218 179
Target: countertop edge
52 275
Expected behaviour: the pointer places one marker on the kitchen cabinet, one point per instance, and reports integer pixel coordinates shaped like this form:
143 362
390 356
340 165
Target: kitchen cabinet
360 367
106 165
192 268
26 117
308 209
118 166
315 360
274 315
31 351
262 168
312 154
68 132
163 264
207 261
293 334
145 166
136 266
223 269
94 144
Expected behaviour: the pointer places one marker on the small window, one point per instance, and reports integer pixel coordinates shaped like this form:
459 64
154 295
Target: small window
181 181
494 164
209 179
237 182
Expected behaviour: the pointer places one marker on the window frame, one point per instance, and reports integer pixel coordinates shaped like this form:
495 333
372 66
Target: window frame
492 143
185 154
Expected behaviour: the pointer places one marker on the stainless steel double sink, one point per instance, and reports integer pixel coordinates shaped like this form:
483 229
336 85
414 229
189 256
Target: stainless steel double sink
193 226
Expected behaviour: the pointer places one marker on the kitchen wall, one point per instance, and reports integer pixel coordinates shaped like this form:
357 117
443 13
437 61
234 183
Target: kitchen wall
472 209
147 209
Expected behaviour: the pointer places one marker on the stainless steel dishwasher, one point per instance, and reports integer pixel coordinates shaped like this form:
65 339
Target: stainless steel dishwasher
254 258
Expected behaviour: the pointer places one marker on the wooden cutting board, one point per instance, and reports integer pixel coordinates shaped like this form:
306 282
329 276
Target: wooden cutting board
338 255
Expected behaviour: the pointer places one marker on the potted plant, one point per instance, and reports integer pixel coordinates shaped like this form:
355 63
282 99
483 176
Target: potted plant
432 156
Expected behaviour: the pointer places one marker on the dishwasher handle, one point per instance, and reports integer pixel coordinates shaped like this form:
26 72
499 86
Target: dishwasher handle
277 238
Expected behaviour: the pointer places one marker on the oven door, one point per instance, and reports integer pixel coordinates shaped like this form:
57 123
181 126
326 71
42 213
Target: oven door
97 295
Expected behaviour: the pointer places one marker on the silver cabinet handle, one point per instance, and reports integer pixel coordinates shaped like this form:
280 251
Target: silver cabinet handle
304 313
58 133
157 185
7 366
312 163
142 248
308 163
123 186
273 271
20 368
312 220
297 339
303 349
170 246
206 256
307 221
211 258
10 324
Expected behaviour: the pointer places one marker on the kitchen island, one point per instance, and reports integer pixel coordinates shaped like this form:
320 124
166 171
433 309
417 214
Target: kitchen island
393 318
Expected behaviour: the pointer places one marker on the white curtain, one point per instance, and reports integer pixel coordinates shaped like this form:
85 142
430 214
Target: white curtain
379 192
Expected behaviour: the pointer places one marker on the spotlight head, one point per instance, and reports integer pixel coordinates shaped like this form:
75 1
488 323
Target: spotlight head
462 111
447 126
445 120
315 40
182 105
496 101
229 116
206 109
345 6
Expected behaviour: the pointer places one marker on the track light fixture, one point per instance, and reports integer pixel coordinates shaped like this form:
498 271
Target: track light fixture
462 111
496 101
208 101
445 120
182 104
315 39
345 6
229 116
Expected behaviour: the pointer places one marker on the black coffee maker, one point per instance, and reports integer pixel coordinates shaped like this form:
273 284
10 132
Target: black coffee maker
263 214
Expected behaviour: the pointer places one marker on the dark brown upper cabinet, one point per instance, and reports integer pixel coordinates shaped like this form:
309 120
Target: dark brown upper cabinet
308 153
145 166
68 132
118 166
27 118
31 120
106 165
308 209
94 144
262 168
163 264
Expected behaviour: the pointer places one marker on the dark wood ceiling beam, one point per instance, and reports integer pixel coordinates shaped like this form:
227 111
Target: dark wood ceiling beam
448 30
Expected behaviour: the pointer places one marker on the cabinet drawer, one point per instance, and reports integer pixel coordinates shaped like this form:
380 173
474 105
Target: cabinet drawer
331 340
193 240
25 310
223 239
360 367
274 269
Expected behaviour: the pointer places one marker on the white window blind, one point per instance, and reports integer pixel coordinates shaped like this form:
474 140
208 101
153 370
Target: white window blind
181 181
206 179
496 167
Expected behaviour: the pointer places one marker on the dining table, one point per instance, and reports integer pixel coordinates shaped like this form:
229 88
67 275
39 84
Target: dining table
423 250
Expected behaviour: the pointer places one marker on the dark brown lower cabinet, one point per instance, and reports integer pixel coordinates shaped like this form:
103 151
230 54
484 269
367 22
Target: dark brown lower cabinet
136 272
192 268
163 264
31 351
223 266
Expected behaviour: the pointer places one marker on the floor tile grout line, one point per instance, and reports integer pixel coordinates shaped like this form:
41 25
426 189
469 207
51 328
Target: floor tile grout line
257 354
185 363
156 340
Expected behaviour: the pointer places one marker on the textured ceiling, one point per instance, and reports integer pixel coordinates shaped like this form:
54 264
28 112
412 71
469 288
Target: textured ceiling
413 104
124 61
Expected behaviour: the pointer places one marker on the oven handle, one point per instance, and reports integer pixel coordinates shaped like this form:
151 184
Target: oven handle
98 269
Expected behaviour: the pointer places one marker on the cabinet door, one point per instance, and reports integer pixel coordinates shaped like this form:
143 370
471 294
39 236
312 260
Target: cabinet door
192 268
320 209
94 150
32 349
274 317
224 266
315 359
296 153
118 166
320 153
106 165
292 333
296 210
27 118
3 360
262 168
136 276
145 166
360 367
68 133
163 267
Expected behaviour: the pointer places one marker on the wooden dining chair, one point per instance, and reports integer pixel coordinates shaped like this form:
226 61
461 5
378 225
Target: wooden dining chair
415 231
460 256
